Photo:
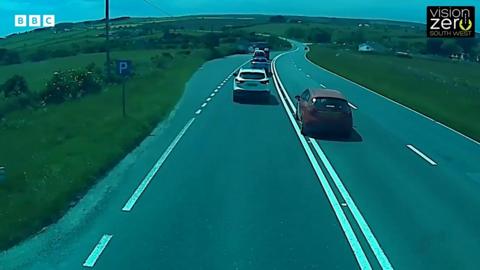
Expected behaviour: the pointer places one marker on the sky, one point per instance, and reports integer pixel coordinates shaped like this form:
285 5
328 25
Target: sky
81 10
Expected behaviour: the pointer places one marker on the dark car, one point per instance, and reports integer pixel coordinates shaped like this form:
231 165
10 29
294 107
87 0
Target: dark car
324 111
261 63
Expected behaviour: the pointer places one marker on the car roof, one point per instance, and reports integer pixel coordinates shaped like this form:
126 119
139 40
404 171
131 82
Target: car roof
326 93
254 70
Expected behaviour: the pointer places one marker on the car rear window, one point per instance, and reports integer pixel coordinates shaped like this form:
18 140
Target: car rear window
331 104
260 60
252 75
259 54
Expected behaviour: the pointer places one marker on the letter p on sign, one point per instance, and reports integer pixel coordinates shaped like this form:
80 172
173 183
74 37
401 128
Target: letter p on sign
124 67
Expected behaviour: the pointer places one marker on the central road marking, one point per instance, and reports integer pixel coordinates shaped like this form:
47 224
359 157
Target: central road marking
353 106
208 99
97 251
141 188
351 237
337 209
411 147
323 86
213 94
198 111
203 105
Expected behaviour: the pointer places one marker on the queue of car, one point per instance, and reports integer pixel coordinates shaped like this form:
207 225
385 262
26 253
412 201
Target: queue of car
318 111
253 82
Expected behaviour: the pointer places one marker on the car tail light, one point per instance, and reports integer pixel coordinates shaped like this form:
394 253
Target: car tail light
264 82
238 80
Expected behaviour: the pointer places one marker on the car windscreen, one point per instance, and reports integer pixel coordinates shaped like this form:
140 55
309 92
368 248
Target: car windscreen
331 104
262 60
252 75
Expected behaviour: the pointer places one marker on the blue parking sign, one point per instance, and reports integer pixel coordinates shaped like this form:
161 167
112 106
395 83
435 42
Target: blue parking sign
124 67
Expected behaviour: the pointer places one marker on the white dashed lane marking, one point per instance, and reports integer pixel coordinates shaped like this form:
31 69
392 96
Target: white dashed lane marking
203 105
198 111
97 251
422 155
146 181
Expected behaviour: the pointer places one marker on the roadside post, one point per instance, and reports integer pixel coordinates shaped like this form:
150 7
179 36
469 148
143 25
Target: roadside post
124 68
2 174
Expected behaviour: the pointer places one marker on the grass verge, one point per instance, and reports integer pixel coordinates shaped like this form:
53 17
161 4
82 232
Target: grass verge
446 91
54 155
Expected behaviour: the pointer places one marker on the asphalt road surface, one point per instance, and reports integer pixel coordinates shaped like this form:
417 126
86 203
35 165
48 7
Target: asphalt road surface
223 185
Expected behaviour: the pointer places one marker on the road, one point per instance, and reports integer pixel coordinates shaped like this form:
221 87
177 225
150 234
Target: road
222 185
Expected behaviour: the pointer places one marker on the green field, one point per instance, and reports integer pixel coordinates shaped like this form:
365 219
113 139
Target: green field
447 91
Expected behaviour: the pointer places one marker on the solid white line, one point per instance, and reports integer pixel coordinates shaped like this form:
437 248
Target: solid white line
143 185
372 241
353 106
203 105
198 111
344 223
97 251
391 100
425 157
323 86
362 223
208 99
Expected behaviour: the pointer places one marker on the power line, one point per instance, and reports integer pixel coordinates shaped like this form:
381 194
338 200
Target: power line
158 8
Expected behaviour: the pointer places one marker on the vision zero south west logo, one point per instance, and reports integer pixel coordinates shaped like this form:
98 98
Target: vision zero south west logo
451 21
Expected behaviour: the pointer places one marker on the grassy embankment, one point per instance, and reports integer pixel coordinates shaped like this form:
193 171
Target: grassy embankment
53 155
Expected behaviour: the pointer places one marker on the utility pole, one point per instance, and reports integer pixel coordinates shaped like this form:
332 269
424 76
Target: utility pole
107 35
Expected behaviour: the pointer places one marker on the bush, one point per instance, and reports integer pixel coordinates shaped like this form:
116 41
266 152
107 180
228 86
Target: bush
211 40
62 53
15 86
277 19
39 55
184 52
9 57
213 54
319 36
162 61
295 32
71 84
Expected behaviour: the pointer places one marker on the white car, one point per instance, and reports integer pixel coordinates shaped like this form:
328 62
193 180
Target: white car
250 83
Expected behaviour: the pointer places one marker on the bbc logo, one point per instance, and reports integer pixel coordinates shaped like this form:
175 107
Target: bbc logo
34 20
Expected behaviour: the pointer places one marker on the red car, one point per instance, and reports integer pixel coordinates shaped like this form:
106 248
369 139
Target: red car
324 111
